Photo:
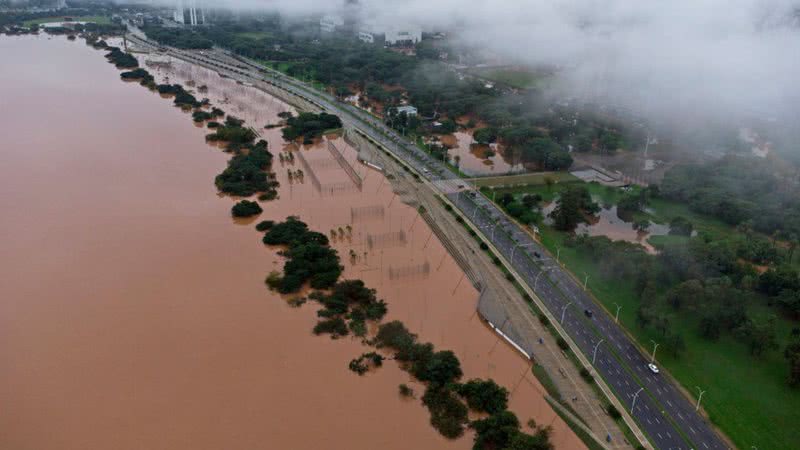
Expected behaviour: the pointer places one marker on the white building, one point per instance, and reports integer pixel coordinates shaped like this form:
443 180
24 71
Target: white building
329 23
408 109
403 35
371 32
366 36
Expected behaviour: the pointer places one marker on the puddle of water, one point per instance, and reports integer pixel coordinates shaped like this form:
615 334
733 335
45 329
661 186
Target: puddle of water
608 223
133 312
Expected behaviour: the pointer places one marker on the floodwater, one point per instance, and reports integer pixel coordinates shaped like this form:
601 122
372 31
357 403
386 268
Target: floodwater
608 223
133 312
479 159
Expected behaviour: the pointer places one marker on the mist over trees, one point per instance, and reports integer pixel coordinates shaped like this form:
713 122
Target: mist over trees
739 190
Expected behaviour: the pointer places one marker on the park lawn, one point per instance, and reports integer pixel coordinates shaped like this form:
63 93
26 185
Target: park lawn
255 35
284 66
100 20
517 78
746 397
599 193
663 211
537 179
658 210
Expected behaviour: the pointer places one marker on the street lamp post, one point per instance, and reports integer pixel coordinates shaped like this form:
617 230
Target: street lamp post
653 357
594 353
585 280
616 316
558 254
564 310
494 228
633 405
697 406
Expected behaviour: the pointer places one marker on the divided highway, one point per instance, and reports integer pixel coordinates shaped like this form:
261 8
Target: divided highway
667 417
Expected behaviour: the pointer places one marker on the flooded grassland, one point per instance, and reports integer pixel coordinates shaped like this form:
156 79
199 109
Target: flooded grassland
133 310
477 159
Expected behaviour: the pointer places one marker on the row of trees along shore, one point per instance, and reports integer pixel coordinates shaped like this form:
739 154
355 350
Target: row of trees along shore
347 305
248 171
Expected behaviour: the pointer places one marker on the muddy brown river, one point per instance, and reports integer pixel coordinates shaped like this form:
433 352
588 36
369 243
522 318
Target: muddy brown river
133 312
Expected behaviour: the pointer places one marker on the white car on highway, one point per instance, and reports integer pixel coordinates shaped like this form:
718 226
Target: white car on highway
653 368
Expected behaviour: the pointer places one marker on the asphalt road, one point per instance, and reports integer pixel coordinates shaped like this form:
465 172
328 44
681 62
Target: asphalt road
664 414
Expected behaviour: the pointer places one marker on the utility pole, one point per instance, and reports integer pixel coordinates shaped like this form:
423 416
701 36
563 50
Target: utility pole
585 280
594 354
558 254
653 357
563 311
697 406
616 317
634 399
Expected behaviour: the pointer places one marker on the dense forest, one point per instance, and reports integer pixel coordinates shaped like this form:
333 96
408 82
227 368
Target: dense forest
740 190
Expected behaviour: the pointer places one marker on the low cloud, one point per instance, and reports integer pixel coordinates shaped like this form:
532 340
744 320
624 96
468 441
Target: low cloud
724 60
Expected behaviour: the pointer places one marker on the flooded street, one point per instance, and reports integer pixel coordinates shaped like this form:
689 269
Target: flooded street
133 310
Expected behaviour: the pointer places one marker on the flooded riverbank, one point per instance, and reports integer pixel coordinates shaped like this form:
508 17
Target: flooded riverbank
133 312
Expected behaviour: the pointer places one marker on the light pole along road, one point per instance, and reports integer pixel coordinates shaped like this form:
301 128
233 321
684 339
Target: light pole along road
667 416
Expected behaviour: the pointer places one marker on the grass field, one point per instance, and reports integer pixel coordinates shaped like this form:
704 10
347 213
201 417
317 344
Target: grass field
658 210
746 397
255 35
100 20
284 66
528 179
518 78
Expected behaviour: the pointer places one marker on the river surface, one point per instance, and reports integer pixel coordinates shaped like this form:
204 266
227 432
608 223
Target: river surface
133 312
